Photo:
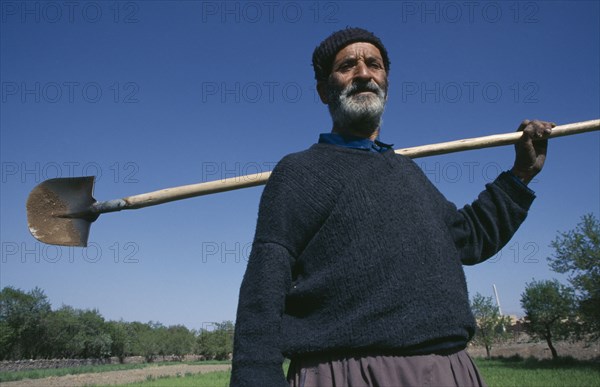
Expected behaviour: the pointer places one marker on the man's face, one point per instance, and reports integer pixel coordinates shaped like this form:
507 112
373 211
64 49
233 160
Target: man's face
357 88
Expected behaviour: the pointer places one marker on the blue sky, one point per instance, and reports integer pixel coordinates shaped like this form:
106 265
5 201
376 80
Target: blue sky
148 95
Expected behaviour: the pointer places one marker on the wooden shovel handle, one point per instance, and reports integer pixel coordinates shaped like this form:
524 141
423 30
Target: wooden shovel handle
493 140
233 183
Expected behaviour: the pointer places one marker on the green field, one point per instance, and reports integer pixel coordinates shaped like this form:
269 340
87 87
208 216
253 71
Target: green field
532 372
498 372
212 379
7 376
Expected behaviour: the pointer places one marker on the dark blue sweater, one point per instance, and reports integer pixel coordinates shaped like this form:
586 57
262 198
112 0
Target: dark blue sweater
357 252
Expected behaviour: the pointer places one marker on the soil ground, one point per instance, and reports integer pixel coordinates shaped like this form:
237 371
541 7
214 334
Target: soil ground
118 377
578 350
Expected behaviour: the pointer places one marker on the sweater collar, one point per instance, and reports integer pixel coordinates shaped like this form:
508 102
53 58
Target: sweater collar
355 142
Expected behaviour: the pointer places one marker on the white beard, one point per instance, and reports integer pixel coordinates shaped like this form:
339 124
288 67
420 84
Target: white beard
357 112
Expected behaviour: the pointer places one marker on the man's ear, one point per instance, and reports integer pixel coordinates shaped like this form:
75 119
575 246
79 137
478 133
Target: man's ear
323 91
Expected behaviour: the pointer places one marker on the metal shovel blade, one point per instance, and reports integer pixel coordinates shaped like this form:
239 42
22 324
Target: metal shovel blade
59 211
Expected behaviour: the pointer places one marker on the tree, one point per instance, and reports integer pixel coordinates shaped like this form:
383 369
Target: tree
577 253
121 334
76 333
217 343
549 311
94 334
21 323
178 341
146 341
490 323
30 329
63 326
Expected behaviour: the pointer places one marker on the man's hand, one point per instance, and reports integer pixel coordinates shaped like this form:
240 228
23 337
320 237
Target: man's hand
530 154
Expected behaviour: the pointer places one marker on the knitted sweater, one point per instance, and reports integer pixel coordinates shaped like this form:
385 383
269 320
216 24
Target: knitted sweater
357 251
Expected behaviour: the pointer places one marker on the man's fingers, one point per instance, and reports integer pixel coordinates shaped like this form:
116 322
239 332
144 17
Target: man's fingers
536 129
522 126
542 129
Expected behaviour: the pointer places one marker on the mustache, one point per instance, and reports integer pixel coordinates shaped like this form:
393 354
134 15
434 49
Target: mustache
359 87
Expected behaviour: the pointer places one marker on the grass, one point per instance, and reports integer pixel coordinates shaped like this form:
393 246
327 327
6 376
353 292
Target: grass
501 372
8 376
210 379
516 371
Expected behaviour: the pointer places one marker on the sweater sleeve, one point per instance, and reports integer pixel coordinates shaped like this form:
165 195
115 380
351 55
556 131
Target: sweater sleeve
257 357
482 228
280 234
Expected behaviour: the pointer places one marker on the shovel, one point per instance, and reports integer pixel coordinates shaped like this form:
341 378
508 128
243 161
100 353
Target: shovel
60 211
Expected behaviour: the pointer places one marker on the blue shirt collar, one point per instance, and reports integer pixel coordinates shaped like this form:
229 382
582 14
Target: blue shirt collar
355 142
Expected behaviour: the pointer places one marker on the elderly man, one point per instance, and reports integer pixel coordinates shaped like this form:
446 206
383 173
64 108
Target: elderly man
356 268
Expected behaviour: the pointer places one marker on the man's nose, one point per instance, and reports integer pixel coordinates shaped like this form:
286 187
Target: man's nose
362 71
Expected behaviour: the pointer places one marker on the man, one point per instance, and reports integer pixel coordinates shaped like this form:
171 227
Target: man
356 268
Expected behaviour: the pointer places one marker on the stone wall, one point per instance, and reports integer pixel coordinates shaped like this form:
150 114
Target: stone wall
22 365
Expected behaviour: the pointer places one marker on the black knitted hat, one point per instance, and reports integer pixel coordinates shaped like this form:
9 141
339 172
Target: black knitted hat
325 53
